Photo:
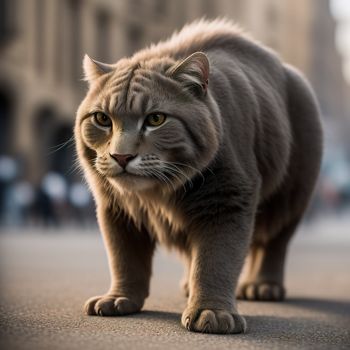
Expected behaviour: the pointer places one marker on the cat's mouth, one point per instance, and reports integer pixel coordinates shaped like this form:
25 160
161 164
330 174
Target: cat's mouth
132 182
127 174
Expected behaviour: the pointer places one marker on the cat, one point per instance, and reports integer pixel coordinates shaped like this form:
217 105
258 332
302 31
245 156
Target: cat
210 144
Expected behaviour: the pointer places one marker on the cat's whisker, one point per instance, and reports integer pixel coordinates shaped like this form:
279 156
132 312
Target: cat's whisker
178 170
176 174
174 166
174 171
165 177
75 168
197 171
159 176
56 148
71 139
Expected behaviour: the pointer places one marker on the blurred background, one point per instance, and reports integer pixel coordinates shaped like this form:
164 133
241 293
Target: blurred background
42 43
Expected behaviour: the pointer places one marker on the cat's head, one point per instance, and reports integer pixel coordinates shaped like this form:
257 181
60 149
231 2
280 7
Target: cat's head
147 123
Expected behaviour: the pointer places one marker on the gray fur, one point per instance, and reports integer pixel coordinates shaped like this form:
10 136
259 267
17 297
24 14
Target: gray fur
229 174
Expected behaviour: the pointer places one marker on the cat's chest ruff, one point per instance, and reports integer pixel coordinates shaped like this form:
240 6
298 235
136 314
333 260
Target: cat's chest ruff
162 219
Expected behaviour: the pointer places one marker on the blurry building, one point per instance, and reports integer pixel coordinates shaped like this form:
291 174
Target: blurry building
42 43
326 75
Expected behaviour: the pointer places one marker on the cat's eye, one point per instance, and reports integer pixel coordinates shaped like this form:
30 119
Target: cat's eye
155 119
102 119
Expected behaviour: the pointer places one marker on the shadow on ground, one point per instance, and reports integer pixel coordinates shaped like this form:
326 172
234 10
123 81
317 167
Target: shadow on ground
336 307
306 322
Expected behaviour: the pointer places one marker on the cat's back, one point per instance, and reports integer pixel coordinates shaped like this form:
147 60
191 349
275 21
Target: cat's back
210 36
244 74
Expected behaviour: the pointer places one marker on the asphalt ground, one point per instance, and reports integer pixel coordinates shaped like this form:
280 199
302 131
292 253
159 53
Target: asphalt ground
46 275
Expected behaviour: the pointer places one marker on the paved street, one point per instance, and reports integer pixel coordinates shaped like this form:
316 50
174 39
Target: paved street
46 277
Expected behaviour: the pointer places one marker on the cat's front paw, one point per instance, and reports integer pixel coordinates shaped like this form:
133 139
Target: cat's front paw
213 321
111 305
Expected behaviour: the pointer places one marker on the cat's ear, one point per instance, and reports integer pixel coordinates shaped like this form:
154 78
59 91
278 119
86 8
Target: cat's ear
193 72
94 69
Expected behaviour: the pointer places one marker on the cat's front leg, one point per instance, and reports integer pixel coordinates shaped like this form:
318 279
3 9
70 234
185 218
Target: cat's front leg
129 252
218 253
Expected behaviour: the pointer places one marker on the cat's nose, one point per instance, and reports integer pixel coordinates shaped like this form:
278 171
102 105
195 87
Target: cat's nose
122 159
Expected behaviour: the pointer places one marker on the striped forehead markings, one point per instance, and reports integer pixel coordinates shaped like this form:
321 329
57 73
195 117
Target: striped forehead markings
138 90
115 89
127 88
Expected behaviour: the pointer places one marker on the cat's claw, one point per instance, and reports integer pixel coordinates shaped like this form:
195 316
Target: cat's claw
109 305
213 321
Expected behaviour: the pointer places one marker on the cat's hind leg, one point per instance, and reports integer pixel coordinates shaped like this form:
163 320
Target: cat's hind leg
278 216
262 277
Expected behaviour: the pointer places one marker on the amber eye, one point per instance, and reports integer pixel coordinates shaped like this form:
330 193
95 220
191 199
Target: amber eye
102 119
155 119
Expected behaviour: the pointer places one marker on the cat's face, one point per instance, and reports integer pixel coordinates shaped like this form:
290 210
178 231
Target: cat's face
147 124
